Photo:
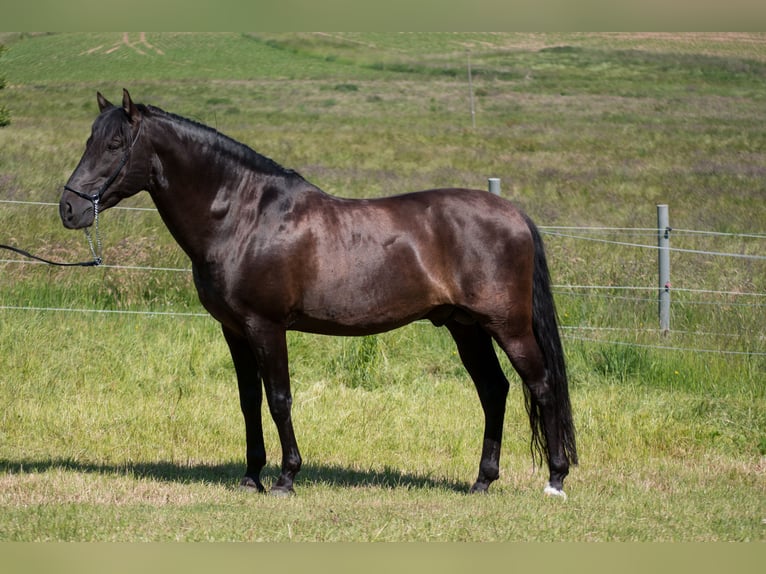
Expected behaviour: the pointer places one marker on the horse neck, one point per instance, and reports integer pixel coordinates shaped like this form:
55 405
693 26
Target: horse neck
194 188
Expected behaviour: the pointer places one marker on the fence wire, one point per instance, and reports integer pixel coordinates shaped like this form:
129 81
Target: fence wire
577 233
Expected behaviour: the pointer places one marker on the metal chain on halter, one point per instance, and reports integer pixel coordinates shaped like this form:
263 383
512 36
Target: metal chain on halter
96 252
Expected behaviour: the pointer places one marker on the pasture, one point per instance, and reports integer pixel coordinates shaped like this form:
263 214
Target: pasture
119 415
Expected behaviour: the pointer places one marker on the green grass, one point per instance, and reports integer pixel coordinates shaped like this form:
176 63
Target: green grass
127 426
107 451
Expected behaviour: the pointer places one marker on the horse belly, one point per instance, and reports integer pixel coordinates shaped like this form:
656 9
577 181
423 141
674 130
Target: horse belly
356 297
360 314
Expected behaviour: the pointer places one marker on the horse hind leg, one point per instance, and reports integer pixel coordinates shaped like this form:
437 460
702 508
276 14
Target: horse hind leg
543 406
478 356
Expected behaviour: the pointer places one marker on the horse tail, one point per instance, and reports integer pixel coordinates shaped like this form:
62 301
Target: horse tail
546 332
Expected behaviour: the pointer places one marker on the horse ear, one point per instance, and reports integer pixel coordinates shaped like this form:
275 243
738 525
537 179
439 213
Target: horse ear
129 107
103 103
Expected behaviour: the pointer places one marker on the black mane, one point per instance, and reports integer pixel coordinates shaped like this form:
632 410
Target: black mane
225 144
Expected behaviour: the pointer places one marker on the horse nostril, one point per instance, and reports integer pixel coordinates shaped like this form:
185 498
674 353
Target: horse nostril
66 212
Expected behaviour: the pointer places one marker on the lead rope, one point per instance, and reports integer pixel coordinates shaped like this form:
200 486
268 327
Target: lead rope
95 247
94 250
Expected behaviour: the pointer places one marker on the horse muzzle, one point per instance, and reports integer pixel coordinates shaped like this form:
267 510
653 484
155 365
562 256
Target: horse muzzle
76 212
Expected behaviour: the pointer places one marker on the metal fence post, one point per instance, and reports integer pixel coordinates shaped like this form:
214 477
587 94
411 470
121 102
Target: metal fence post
494 185
470 87
663 260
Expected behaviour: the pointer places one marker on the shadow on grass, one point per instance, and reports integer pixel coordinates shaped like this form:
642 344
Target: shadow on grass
229 474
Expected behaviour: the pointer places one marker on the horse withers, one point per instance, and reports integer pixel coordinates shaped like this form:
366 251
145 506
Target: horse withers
271 252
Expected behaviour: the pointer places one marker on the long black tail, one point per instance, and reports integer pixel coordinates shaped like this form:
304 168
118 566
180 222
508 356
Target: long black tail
546 331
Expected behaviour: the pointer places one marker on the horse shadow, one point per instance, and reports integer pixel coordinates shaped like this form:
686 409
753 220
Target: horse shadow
229 474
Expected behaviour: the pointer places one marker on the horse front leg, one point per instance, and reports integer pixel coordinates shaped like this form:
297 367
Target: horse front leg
250 400
269 343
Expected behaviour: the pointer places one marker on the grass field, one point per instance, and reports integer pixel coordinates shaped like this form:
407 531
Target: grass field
121 425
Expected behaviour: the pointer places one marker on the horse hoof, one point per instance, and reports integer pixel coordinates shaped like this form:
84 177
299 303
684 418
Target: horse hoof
552 491
281 492
250 485
479 488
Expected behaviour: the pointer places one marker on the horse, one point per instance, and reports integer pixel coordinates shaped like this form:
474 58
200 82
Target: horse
271 252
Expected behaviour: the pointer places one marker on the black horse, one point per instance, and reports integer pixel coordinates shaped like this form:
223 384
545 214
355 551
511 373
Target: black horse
272 252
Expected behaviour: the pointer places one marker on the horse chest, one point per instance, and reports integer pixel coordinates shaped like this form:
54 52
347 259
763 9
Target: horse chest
212 292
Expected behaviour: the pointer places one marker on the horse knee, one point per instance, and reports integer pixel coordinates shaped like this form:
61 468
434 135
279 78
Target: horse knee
280 406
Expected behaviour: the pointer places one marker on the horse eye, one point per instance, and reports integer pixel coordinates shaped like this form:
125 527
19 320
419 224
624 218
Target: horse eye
113 145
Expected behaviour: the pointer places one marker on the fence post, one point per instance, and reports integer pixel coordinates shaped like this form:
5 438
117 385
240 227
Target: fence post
494 185
470 87
663 260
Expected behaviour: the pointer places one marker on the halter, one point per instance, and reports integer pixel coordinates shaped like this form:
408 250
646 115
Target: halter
95 199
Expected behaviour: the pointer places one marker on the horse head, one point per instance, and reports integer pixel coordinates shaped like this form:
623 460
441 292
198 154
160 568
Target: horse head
113 167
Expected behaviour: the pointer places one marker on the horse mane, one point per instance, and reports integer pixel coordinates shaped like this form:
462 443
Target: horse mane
224 144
